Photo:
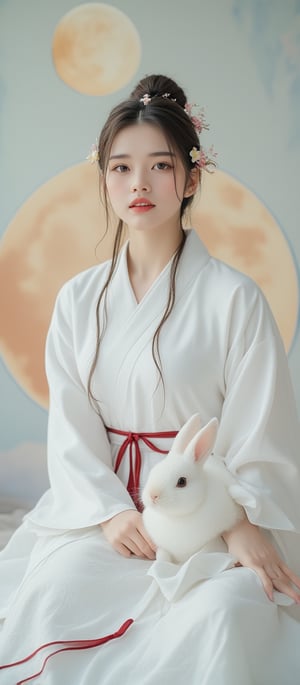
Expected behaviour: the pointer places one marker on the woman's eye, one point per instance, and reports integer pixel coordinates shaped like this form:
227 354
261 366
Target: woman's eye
120 168
162 165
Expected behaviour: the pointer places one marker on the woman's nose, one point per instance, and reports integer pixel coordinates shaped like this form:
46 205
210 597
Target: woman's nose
140 184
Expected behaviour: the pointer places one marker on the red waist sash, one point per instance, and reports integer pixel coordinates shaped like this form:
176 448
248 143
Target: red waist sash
135 457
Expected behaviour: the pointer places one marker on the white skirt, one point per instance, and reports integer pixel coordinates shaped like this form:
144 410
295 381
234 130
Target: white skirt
203 623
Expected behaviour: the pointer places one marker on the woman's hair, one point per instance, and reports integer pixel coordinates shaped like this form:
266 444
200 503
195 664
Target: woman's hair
163 107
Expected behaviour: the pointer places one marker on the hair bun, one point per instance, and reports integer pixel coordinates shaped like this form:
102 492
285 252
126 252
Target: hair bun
156 85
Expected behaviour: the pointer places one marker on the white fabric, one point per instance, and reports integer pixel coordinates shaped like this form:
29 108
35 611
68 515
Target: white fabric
205 621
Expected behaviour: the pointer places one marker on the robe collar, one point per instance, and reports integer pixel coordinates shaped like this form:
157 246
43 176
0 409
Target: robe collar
193 259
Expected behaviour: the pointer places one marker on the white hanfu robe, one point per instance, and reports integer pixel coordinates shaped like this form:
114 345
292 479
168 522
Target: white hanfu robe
205 622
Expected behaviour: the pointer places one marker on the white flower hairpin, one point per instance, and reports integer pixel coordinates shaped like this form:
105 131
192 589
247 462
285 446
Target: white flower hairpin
93 155
145 99
203 159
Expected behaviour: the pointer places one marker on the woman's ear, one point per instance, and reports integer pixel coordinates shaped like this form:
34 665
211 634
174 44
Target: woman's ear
192 182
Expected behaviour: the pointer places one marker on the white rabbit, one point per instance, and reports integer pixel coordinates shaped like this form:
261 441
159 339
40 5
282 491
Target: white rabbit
186 497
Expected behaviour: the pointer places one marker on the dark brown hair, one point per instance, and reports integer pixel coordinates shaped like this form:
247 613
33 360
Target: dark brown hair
166 111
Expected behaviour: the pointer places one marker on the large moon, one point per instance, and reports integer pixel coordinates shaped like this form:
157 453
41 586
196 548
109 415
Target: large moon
238 229
56 234
96 49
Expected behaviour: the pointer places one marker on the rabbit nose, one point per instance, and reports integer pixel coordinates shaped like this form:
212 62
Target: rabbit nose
154 496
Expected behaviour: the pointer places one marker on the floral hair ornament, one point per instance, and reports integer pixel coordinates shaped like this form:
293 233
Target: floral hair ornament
146 99
198 120
202 159
93 155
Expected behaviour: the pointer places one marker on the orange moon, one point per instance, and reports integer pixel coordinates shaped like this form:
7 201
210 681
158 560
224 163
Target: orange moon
55 234
96 49
238 229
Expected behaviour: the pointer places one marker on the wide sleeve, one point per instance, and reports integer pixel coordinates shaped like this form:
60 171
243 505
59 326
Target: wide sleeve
259 433
84 488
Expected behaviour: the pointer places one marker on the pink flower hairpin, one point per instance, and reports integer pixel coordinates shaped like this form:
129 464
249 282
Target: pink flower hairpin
199 122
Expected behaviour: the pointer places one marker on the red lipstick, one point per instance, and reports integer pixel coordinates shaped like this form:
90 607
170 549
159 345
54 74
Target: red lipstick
141 204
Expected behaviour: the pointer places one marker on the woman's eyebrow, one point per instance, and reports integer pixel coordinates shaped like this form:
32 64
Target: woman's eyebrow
160 153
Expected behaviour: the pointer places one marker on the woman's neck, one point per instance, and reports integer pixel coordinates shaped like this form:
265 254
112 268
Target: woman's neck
147 256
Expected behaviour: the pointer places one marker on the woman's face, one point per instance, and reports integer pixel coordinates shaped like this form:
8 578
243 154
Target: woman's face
146 183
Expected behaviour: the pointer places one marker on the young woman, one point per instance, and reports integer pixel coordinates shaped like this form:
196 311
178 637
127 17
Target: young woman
135 347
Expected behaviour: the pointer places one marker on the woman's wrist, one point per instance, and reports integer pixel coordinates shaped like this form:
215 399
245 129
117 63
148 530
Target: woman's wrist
242 524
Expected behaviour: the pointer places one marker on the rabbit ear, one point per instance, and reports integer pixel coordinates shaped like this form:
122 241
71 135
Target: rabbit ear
201 445
186 433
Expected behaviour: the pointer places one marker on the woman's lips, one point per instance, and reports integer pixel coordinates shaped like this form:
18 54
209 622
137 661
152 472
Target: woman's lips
139 209
141 205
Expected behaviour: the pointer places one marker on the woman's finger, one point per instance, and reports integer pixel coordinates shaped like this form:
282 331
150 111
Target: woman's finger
266 581
134 549
140 546
283 585
292 576
146 537
282 577
122 549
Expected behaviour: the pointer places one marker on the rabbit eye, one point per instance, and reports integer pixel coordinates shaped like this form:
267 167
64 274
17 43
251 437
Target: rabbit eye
181 483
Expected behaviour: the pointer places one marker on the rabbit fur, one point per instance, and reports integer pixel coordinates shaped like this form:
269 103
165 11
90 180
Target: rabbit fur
186 498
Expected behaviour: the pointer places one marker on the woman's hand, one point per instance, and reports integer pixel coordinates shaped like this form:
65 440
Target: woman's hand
127 535
251 548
